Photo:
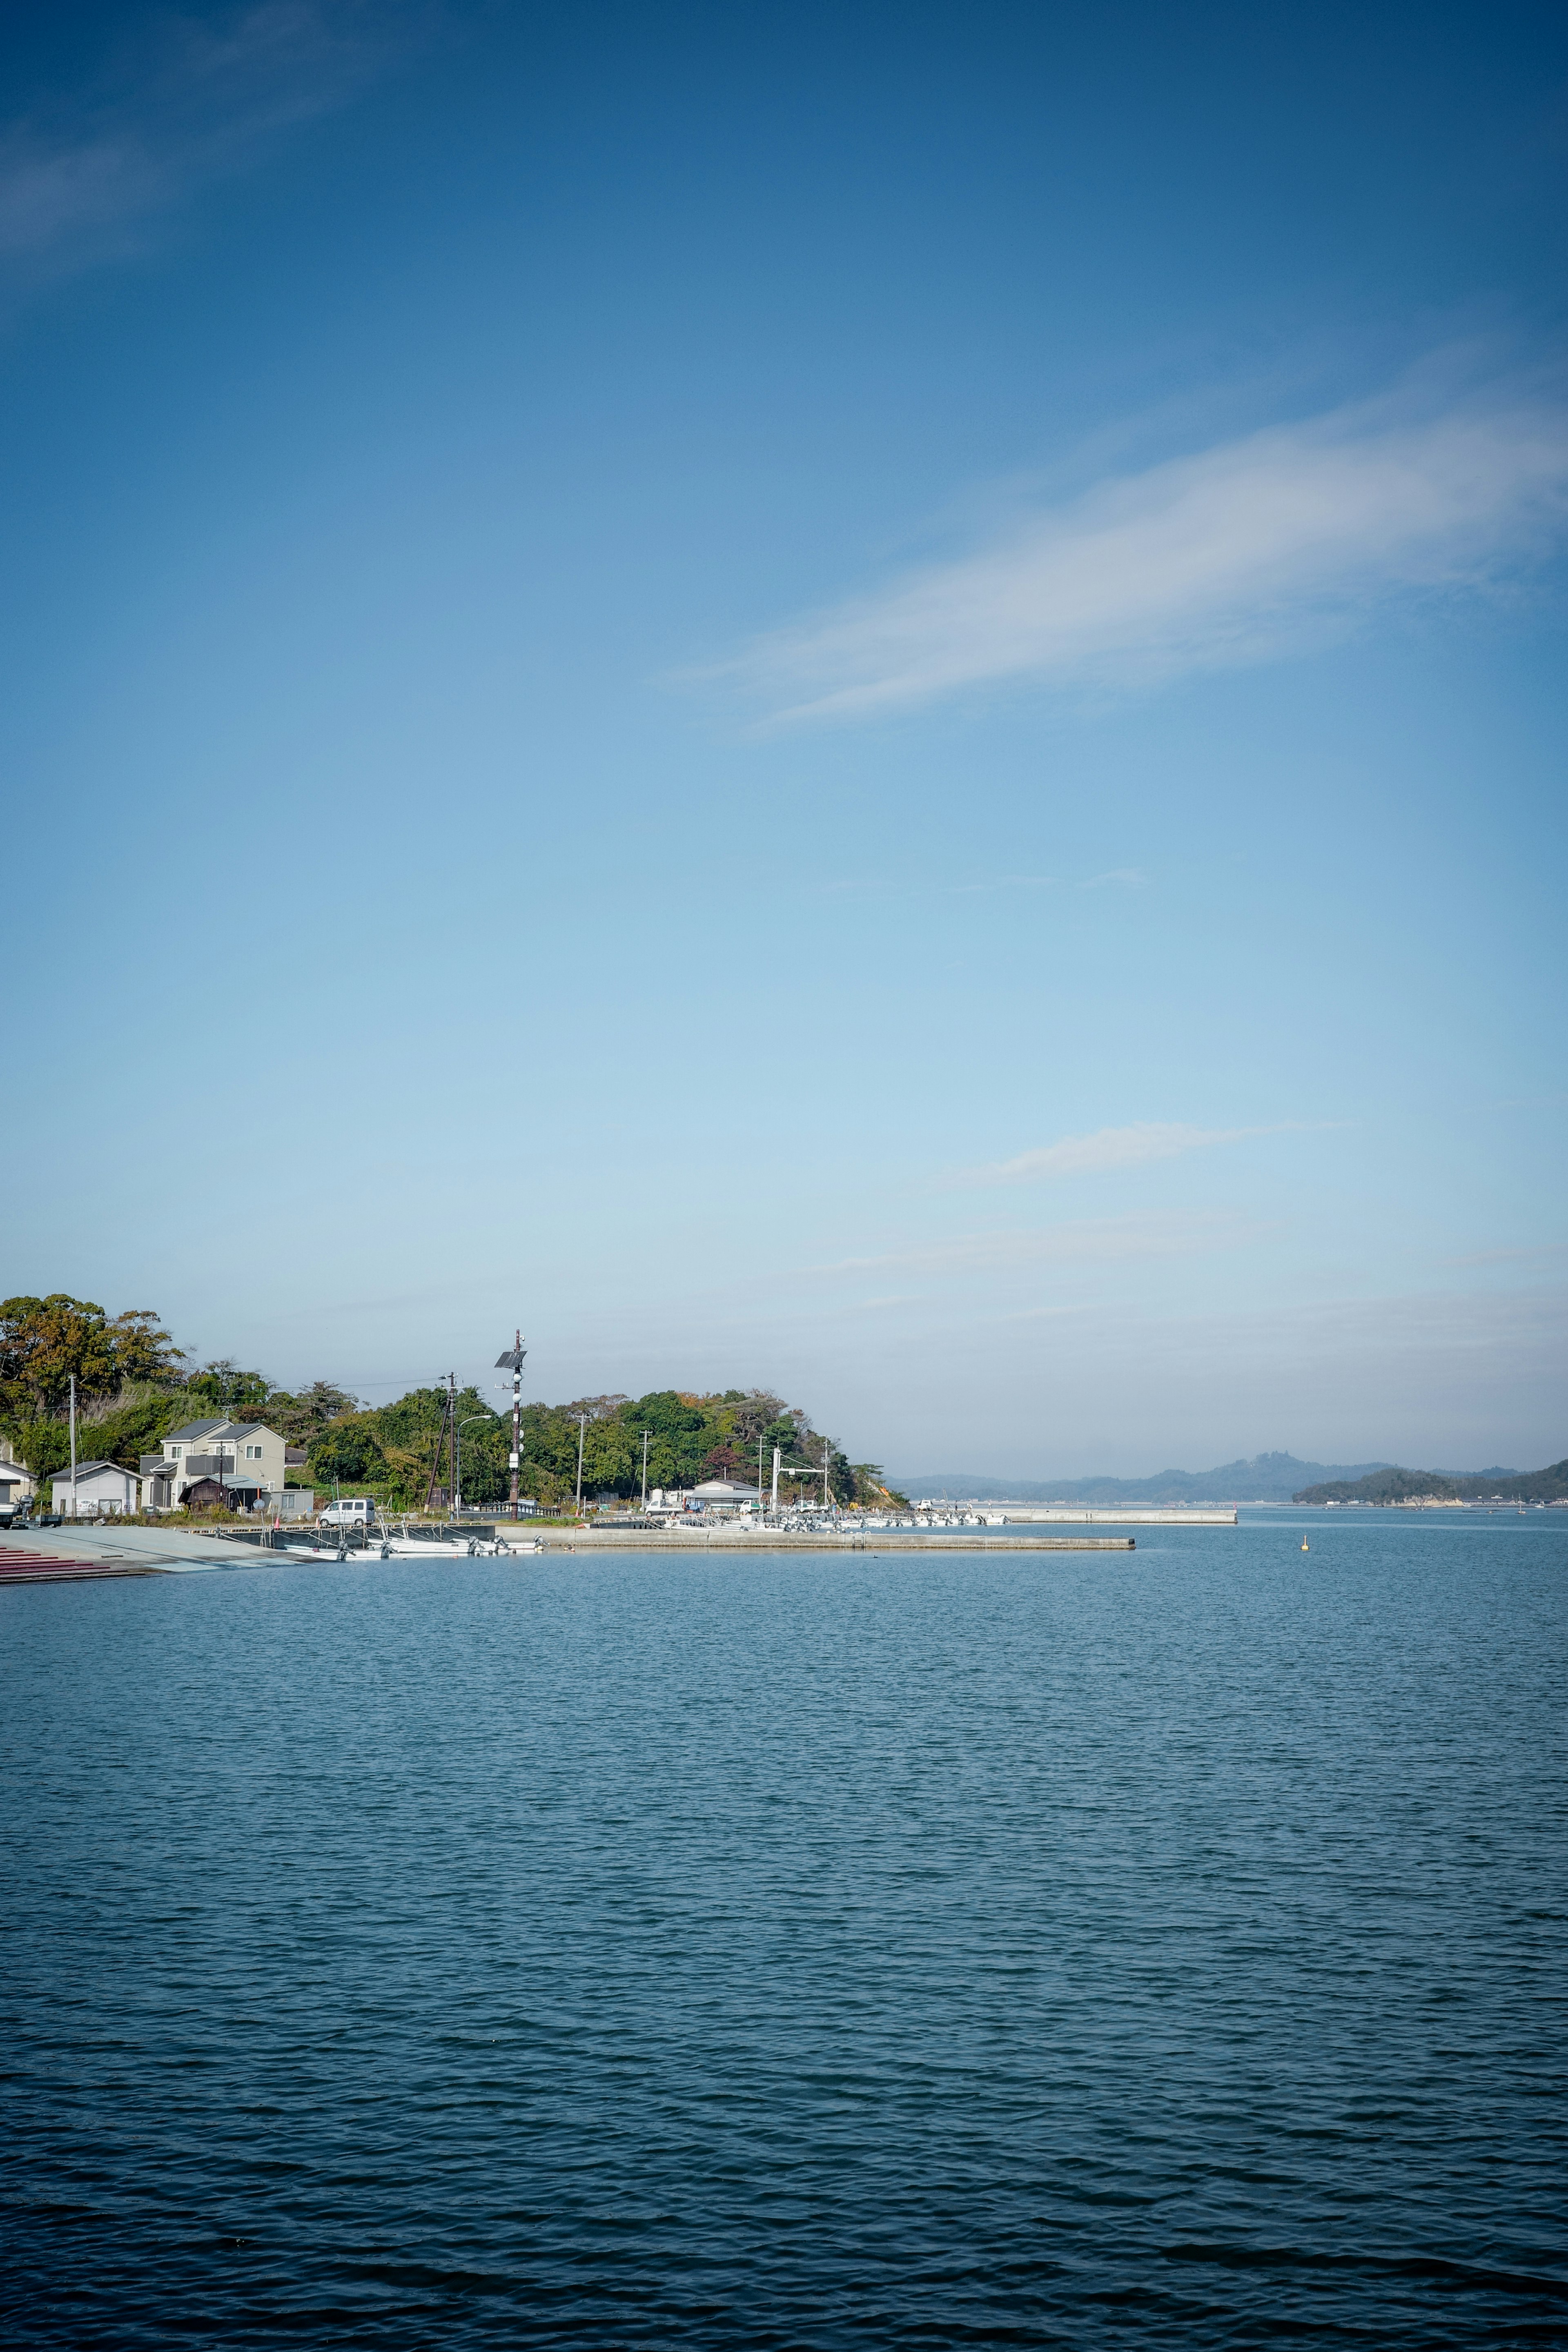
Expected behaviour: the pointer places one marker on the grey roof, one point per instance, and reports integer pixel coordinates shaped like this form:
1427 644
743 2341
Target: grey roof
249 1429
63 1477
196 1429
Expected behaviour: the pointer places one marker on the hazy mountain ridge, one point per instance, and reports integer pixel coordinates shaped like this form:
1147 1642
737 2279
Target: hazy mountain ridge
1266 1479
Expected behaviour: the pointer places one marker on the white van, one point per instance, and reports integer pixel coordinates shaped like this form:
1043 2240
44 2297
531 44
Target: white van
352 1512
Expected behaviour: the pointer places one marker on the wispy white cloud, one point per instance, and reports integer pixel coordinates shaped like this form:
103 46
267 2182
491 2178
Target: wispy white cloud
1128 876
1087 1242
190 100
1112 1147
1243 551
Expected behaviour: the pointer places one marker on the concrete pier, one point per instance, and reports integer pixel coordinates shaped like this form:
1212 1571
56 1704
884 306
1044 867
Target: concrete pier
831 1539
1066 1515
48 1555
99 1547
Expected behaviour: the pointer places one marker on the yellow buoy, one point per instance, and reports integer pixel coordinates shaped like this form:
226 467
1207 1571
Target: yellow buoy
1305 1544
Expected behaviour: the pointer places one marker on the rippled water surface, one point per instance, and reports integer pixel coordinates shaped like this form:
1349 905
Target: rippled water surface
854 1951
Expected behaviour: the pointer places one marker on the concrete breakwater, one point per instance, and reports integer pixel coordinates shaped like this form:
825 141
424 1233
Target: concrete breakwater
1058 1515
829 1539
65 1554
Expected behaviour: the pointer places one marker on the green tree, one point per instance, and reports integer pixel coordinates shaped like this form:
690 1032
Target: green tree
130 1424
143 1349
42 1342
871 1490
348 1453
682 1435
120 1428
301 1418
222 1387
43 1445
413 1439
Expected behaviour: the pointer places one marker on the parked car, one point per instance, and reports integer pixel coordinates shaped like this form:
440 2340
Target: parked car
353 1511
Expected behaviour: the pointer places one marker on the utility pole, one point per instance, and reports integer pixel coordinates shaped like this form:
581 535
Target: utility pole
512 1362
827 1489
73 1444
582 1433
646 1435
776 1460
448 1416
456 1502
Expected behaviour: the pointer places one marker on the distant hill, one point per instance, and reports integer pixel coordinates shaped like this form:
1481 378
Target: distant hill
1266 1479
1390 1484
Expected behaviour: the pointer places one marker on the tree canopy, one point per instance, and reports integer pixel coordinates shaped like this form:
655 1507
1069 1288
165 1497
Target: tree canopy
43 1341
134 1386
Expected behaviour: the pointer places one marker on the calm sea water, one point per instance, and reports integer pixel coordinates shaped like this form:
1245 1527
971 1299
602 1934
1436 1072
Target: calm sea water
854 1952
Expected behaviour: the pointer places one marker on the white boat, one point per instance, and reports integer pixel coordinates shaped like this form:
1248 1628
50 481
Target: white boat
451 1548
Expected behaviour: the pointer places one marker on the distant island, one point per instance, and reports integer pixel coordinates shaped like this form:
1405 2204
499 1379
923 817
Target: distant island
1266 1479
1390 1484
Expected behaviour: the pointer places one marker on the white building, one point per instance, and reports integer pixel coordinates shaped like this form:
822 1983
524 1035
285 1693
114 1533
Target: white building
98 1487
722 1495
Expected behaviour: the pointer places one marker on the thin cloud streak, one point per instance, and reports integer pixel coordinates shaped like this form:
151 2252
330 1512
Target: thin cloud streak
203 97
1112 1147
1245 551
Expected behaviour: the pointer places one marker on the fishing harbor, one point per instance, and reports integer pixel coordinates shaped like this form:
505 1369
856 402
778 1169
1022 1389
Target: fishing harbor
89 1548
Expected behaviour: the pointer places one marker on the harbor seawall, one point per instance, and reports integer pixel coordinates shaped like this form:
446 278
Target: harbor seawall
893 1539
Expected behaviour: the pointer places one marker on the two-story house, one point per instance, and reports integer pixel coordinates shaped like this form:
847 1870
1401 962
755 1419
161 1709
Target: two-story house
245 1457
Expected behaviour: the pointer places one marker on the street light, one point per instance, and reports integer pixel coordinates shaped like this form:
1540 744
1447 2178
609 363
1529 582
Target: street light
458 1497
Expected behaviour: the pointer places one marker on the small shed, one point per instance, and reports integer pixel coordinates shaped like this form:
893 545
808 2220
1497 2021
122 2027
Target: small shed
100 1486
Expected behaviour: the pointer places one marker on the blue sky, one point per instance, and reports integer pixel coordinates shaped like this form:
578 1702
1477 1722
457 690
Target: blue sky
861 699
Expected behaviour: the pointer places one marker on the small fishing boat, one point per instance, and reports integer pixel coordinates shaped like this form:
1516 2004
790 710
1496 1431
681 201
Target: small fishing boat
450 1548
